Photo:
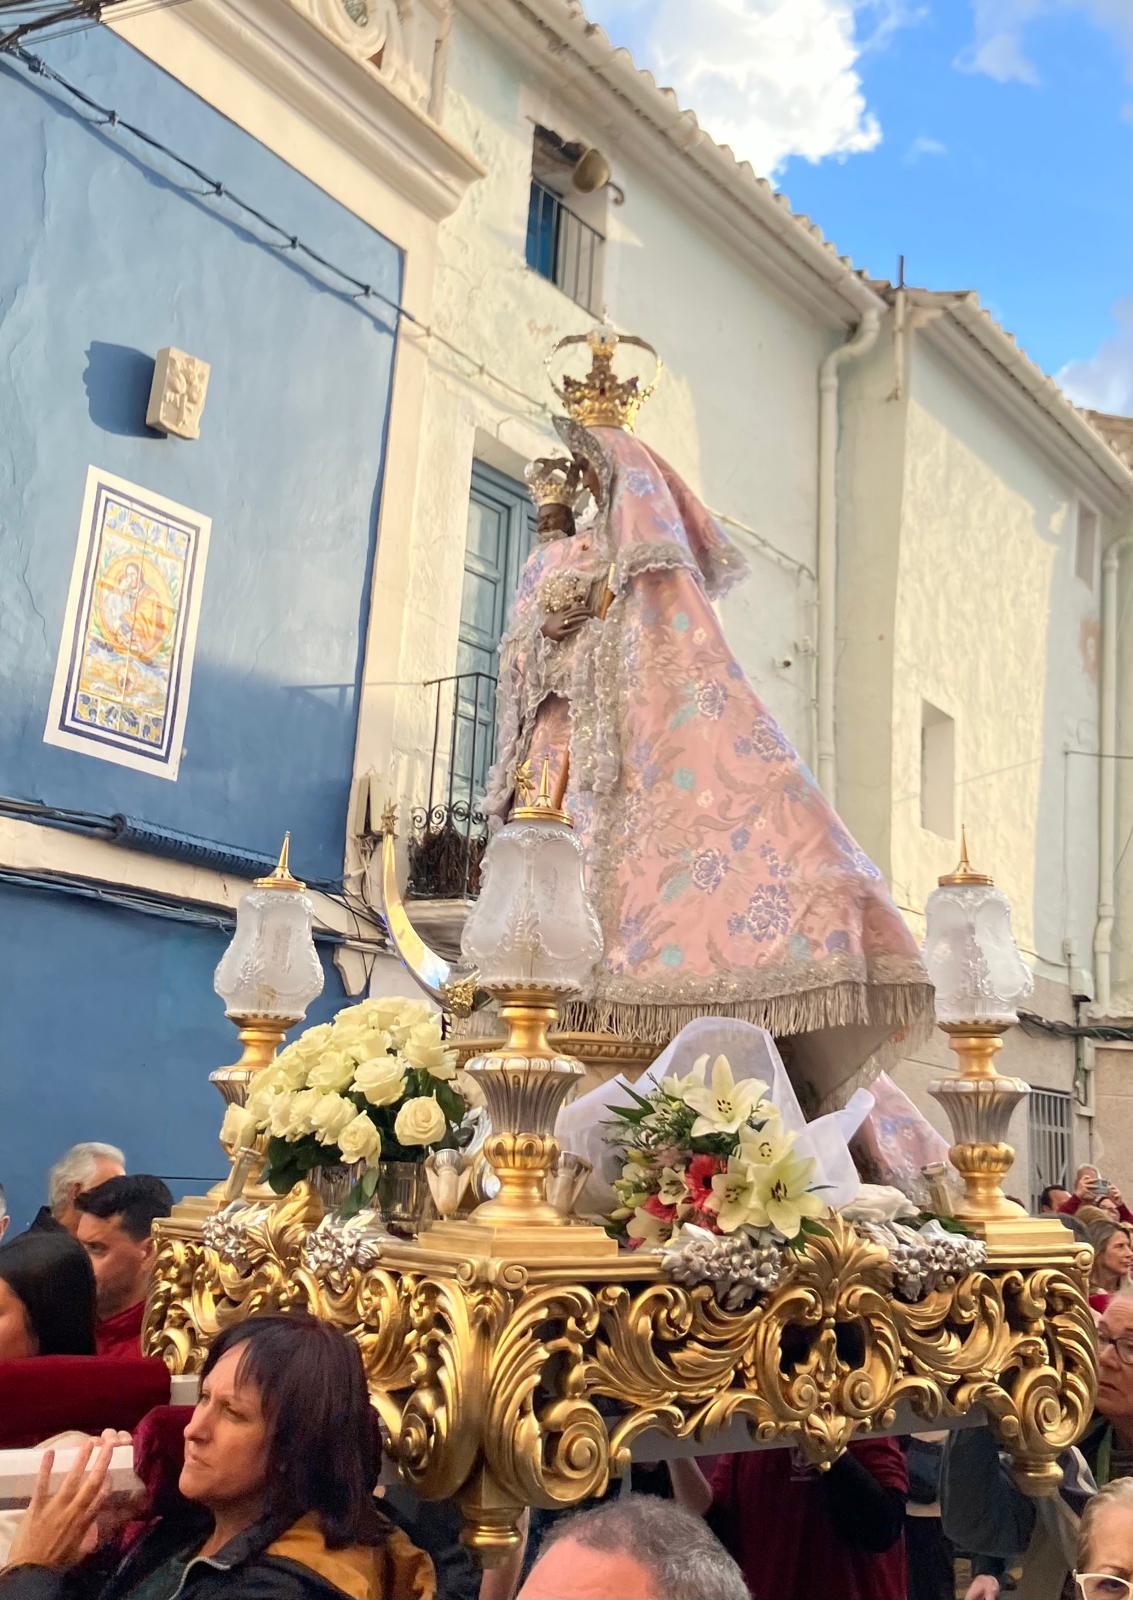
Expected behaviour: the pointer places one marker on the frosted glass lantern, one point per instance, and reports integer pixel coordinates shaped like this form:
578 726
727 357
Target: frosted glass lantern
533 927
271 969
971 954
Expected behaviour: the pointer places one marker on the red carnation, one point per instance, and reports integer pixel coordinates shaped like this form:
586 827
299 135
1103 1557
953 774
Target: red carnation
698 1176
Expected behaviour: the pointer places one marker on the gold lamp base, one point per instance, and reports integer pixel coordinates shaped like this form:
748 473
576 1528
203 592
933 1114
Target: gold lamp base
979 1103
525 1082
261 1037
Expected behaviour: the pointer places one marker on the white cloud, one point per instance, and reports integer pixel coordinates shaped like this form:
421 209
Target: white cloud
1104 380
998 46
771 78
923 146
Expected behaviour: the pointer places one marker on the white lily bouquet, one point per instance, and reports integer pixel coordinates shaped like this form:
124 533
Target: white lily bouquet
376 1084
711 1152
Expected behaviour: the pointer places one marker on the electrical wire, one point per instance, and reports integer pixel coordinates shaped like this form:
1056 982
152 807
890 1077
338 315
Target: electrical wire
125 10
1100 1033
216 189
156 903
93 824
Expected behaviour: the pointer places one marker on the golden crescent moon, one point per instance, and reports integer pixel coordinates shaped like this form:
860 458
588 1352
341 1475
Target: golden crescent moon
452 990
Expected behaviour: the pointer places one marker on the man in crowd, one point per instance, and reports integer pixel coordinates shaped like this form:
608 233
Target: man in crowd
83 1166
798 1533
1090 1188
634 1548
115 1220
1052 1200
985 1512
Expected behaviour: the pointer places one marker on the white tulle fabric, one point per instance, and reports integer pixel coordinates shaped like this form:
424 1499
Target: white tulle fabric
584 1126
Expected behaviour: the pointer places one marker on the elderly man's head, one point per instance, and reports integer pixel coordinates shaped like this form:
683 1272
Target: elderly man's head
1115 1363
635 1548
83 1167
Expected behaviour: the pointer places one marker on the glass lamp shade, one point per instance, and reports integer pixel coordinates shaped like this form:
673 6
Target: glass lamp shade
971 956
271 968
533 926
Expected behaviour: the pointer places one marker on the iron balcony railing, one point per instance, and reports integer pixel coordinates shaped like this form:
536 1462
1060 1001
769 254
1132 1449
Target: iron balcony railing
563 248
449 831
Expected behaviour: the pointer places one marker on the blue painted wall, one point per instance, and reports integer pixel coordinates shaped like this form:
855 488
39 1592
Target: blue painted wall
102 262
111 1029
108 1023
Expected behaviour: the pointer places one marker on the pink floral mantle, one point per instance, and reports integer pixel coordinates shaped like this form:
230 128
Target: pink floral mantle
724 881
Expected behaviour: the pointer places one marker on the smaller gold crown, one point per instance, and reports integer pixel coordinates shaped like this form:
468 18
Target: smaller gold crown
554 481
602 399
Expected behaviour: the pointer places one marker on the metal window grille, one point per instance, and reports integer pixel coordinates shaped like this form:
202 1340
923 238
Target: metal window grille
1049 1122
449 831
563 248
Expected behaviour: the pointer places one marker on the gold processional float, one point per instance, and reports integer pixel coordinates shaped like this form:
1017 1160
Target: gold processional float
515 1355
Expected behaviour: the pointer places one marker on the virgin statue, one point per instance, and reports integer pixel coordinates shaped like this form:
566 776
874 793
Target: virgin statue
724 881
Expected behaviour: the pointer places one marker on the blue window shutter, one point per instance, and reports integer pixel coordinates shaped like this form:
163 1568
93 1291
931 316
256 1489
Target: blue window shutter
501 528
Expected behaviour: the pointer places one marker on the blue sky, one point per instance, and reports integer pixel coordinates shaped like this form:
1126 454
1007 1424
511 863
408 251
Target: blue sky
990 141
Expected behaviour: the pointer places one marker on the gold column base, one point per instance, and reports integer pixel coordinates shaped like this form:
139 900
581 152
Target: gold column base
1017 1237
979 1104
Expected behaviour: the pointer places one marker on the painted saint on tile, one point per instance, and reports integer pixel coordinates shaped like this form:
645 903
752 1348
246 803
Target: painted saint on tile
125 659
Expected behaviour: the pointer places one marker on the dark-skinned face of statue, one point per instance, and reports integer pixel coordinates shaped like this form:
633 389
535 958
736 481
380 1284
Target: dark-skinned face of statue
590 478
555 522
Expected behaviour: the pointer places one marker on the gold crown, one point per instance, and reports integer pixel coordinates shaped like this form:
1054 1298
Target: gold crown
601 399
554 481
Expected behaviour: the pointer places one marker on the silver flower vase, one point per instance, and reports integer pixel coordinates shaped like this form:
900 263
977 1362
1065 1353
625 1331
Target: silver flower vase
333 1184
402 1198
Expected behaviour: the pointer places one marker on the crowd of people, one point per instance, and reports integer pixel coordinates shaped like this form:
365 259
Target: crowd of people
271 1487
75 1281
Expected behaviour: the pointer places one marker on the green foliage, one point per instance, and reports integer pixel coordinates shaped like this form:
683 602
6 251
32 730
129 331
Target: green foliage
949 1224
361 1194
289 1161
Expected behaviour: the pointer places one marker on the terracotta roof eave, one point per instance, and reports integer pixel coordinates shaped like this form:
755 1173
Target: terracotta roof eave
965 309
567 25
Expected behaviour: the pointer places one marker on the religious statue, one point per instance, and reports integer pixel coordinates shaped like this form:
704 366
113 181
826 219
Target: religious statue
724 881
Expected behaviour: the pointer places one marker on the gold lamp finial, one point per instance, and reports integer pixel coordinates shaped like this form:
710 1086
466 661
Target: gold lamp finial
964 872
601 399
545 807
281 877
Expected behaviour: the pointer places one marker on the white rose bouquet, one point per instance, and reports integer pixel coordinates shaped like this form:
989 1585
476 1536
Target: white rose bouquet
377 1083
710 1151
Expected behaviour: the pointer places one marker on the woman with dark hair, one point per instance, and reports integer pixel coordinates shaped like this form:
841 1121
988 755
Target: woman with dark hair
277 1490
46 1297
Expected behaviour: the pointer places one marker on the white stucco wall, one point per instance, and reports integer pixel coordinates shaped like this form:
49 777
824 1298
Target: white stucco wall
736 412
874 412
994 628
1122 958
957 587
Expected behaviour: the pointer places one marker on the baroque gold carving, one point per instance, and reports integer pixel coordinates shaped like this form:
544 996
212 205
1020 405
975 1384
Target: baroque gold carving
510 1385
